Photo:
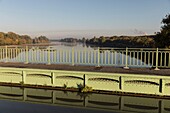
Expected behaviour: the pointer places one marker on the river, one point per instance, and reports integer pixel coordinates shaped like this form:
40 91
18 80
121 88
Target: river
76 54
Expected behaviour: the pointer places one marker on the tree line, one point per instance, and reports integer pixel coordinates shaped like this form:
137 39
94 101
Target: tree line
160 39
11 38
73 40
122 41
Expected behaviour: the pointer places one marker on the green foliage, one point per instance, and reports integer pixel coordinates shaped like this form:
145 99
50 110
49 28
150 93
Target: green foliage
41 39
73 40
86 89
123 41
162 38
11 38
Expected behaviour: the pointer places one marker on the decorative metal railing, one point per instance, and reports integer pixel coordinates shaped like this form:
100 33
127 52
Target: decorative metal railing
120 57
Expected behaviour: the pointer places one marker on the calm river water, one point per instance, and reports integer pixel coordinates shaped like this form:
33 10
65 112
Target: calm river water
80 54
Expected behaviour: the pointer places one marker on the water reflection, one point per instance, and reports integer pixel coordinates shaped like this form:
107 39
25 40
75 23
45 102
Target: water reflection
77 102
69 53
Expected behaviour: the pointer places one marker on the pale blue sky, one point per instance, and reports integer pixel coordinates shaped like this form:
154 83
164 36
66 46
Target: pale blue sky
82 18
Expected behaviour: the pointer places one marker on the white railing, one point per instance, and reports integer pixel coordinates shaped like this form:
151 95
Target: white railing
120 57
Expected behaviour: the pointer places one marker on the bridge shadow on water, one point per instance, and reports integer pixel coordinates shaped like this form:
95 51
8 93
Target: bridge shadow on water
29 100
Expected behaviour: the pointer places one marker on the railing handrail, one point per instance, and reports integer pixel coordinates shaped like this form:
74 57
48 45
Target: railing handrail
102 48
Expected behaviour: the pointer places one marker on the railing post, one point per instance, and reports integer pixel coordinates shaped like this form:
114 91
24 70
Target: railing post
85 80
126 60
72 56
26 55
48 56
121 84
161 86
157 53
23 77
52 79
16 53
98 57
6 53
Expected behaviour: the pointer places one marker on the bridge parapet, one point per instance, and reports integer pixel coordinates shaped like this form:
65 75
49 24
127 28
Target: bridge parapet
116 82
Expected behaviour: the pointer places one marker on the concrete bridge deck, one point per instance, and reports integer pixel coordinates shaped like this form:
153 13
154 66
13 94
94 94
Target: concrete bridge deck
108 69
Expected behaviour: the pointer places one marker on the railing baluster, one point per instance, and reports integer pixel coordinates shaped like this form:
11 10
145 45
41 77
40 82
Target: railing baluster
88 59
105 55
68 56
42 55
62 56
108 60
78 56
10 54
104 52
122 56
157 53
153 58
115 58
137 58
49 55
1 53
130 55
165 59
72 56
161 62
141 58
26 55
145 58
98 58
126 62
169 59
149 57
6 55
85 57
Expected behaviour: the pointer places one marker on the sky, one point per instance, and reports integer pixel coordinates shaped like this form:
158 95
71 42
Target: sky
82 18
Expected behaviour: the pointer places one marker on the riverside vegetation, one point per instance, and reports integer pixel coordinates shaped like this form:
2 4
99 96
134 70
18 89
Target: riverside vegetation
160 39
123 41
11 38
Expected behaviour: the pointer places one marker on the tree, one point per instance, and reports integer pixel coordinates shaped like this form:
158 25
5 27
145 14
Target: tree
102 39
162 38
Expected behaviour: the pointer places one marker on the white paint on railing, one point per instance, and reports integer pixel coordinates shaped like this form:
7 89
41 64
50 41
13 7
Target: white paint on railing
129 57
